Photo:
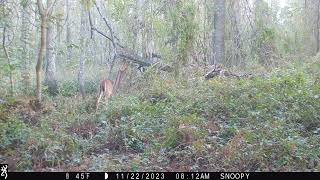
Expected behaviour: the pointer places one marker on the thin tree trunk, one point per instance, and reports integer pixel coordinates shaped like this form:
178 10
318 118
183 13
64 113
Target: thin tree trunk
139 40
44 13
219 32
236 38
317 27
68 33
40 56
8 60
149 47
82 52
24 38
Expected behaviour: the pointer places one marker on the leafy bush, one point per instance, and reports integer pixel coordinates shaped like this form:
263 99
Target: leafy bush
13 132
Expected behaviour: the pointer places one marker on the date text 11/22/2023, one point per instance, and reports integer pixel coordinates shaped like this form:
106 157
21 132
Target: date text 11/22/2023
160 176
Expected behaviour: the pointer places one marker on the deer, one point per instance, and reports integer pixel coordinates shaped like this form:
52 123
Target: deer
106 89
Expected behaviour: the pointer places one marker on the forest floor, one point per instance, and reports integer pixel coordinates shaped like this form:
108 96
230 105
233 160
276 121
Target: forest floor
265 123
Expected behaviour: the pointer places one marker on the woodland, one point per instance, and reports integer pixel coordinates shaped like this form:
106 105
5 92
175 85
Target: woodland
160 85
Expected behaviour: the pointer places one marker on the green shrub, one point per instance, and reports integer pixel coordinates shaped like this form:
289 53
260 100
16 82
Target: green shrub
14 132
71 87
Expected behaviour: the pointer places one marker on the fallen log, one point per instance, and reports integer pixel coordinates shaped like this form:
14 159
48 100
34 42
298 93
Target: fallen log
217 70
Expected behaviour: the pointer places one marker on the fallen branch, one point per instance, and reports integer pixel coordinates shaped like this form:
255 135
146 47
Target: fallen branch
217 70
120 50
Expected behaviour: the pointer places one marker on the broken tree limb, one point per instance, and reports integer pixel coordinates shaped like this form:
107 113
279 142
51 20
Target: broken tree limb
120 50
122 70
218 71
133 58
141 61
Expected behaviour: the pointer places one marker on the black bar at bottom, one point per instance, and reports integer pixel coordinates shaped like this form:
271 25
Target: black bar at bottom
162 175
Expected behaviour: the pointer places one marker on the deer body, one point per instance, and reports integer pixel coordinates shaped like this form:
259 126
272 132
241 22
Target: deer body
105 90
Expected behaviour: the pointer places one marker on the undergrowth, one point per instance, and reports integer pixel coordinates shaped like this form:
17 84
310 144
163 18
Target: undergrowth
270 122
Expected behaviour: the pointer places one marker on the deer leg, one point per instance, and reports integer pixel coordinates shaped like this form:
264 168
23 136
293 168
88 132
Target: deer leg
106 99
98 100
108 95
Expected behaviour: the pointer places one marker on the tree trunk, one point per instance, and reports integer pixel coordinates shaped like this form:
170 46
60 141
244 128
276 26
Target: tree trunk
149 32
51 80
24 38
236 36
219 30
82 52
317 26
44 13
312 25
43 31
139 40
8 60
68 33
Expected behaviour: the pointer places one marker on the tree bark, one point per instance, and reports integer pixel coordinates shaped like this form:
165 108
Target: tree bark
236 36
317 26
8 60
140 19
68 33
312 25
82 52
43 31
149 32
219 32
24 56
51 80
